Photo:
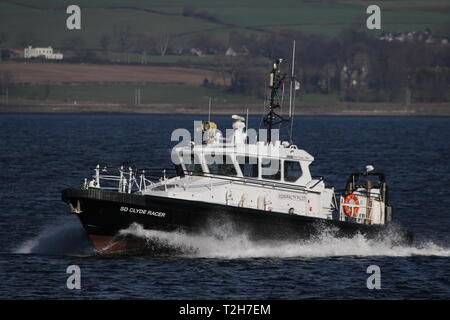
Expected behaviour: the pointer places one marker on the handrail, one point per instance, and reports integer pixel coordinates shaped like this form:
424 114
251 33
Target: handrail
320 180
371 195
132 180
360 217
251 181
127 179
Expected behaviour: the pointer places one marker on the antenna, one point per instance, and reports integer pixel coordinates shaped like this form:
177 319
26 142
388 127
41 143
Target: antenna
292 80
292 100
276 81
291 130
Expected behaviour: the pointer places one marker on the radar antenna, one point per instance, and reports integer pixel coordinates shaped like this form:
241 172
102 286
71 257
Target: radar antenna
275 83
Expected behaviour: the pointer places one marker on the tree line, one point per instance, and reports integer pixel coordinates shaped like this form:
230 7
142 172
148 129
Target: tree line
354 65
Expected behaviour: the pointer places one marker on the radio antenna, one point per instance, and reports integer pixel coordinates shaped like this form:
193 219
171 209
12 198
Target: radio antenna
292 80
293 88
276 81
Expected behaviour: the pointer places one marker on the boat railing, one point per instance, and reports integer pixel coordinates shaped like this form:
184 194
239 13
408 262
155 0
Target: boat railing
125 180
364 212
317 180
131 180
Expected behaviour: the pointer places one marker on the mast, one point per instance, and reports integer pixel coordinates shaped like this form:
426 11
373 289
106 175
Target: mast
275 82
292 92
292 79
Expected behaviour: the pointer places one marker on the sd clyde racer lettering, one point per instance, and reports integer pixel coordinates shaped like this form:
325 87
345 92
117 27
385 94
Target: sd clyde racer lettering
143 211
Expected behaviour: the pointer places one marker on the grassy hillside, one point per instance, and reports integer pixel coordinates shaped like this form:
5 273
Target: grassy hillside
48 27
185 22
124 93
45 19
170 94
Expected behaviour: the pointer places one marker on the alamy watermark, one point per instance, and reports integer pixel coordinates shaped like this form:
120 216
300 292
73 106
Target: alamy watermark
374 280
374 20
73 22
74 280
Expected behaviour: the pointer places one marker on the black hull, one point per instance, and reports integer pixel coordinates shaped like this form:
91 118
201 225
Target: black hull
103 214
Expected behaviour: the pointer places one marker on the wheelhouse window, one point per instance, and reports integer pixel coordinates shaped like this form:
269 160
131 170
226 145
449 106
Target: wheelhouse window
271 169
221 165
292 171
194 166
249 166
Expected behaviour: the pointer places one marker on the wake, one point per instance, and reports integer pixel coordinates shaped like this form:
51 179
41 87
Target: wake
67 239
223 242
229 245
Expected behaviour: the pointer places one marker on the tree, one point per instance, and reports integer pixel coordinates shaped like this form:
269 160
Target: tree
75 44
144 45
26 39
225 67
162 42
328 74
105 42
244 77
207 43
122 34
3 38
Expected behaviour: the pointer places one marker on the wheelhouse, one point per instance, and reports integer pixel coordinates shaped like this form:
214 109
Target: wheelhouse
229 162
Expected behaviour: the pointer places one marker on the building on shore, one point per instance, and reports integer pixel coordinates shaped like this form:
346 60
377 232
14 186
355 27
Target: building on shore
46 53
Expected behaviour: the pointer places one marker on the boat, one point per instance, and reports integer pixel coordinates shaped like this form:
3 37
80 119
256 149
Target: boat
258 184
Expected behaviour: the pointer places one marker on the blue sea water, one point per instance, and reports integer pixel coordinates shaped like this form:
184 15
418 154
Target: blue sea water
42 154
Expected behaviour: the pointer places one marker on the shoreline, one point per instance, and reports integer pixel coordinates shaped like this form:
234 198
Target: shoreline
335 109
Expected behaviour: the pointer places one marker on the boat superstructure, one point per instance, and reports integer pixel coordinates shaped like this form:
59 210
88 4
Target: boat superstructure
272 176
267 176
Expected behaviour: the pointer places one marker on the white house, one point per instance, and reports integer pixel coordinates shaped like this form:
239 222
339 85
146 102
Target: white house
46 53
230 52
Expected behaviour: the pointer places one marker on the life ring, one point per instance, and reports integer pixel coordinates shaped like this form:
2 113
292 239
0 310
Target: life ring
347 209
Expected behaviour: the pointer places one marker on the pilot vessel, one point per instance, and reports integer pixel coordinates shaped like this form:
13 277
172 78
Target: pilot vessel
260 187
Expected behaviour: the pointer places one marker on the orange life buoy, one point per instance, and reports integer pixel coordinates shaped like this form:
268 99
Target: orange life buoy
351 211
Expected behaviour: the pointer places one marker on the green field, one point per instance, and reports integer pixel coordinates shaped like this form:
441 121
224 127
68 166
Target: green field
150 94
178 60
46 18
124 94
49 26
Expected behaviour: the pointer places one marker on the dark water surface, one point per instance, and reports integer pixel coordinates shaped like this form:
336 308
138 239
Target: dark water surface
43 154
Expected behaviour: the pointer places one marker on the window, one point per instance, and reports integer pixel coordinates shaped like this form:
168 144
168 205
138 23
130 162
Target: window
194 166
373 181
221 165
249 166
292 171
271 169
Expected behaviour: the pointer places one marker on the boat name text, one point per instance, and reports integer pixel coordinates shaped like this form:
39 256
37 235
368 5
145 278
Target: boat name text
143 211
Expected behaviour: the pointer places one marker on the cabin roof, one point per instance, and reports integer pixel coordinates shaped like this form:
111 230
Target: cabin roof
271 150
